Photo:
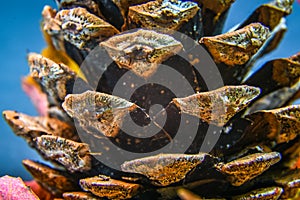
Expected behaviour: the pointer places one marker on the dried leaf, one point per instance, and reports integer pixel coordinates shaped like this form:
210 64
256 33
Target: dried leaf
14 189
218 106
52 180
269 193
165 169
72 155
246 168
106 187
102 112
141 51
237 47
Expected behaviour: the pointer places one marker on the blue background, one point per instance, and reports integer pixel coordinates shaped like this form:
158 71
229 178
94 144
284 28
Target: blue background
20 34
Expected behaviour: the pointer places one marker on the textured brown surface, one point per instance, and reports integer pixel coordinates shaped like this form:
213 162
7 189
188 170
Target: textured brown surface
83 29
162 14
98 110
109 188
276 74
246 168
32 127
270 193
53 77
79 196
214 14
51 179
74 156
218 106
165 169
271 13
141 51
280 125
237 47
290 183
90 5
253 153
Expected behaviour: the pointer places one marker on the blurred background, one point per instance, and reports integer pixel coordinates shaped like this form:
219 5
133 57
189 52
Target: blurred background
20 33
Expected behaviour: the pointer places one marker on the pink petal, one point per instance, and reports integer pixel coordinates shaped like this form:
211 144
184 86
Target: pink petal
15 189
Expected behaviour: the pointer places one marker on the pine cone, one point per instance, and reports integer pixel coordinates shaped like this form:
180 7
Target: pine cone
149 100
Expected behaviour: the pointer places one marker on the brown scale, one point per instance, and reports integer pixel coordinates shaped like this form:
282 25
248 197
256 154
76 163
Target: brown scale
90 5
103 186
100 111
217 106
55 181
275 74
268 134
270 14
56 80
290 183
32 127
280 125
165 169
80 196
269 193
141 51
231 51
51 75
279 80
236 48
72 155
246 168
215 12
83 29
167 15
